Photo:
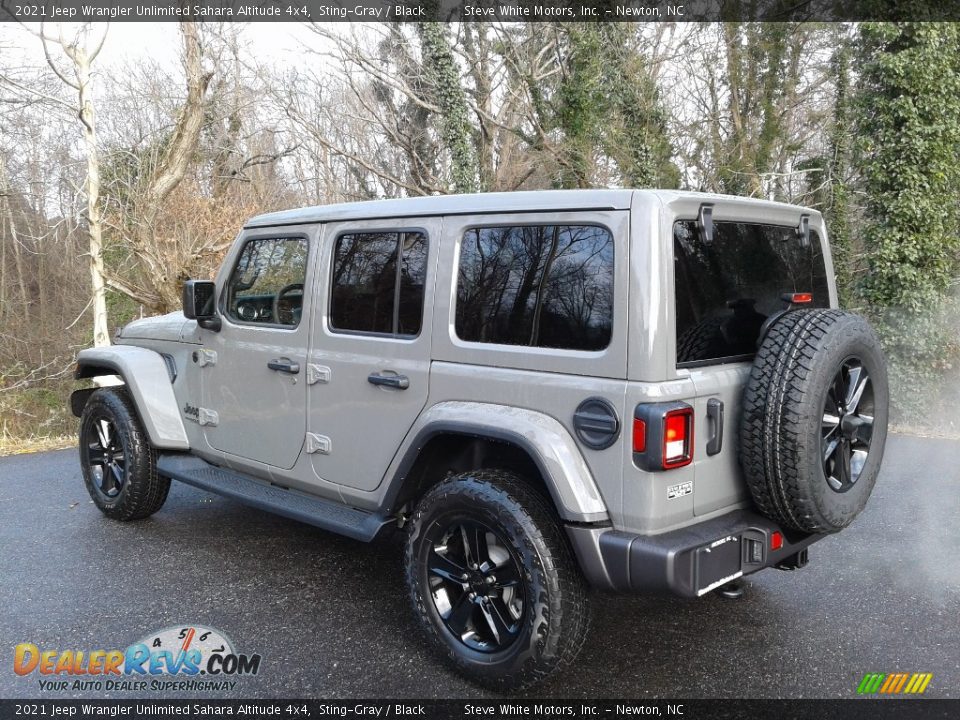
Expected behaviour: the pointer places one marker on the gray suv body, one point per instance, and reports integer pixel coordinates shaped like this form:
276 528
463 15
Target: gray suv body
362 366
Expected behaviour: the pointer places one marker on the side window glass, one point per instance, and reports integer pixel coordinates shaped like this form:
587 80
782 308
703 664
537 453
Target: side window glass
378 282
536 285
266 285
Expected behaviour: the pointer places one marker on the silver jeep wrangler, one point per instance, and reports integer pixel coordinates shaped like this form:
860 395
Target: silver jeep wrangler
642 391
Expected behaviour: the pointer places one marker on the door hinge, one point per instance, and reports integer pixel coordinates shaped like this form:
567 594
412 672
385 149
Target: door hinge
317 374
208 417
318 444
205 357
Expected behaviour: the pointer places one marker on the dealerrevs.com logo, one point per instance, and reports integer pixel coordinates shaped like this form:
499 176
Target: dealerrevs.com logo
184 657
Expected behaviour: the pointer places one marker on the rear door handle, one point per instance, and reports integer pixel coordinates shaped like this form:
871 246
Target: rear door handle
398 382
715 422
284 365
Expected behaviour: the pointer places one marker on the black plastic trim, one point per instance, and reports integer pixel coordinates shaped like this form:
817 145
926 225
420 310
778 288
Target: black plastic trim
596 423
482 432
705 223
714 426
78 400
668 563
96 369
327 514
171 366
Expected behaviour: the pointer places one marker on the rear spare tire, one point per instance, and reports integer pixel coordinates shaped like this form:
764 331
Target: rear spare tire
814 420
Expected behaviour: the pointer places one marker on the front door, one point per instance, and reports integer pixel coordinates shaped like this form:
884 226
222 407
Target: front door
253 370
370 355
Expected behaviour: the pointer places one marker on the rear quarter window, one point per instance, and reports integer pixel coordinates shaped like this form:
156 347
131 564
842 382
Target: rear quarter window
727 288
547 286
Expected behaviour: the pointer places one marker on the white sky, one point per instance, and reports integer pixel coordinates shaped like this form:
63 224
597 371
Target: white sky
130 41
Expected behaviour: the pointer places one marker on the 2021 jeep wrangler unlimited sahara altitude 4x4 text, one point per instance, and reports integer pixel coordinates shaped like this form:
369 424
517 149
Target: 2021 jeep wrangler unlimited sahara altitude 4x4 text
634 390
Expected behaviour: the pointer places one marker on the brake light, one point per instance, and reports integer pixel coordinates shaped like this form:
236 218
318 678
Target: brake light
799 298
639 435
678 438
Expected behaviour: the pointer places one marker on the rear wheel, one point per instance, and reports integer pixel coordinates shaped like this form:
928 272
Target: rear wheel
493 580
119 465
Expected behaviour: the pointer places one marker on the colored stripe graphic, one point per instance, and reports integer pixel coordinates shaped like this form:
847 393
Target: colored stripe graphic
894 683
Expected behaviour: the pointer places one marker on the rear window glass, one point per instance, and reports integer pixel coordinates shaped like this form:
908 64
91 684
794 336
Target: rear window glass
536 285
726 289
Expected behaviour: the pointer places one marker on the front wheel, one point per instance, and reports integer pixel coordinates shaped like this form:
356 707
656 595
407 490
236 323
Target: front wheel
493 580
119 465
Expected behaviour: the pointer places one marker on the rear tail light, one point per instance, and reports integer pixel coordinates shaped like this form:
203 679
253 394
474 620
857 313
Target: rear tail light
677 438
802 298
662 435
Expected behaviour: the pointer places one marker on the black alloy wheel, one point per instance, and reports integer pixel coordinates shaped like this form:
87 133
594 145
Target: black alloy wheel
493 580
475 584
847 425
106 456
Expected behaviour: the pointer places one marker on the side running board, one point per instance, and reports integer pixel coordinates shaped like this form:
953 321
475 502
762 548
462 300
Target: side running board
293 504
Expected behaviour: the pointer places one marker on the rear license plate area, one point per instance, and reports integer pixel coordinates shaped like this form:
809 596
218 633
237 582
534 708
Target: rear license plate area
718 563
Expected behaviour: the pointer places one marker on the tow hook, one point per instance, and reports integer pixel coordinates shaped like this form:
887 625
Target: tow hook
733 590
795 561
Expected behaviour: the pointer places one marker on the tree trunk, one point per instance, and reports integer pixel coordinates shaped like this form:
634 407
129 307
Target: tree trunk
8 223
441 69
101 335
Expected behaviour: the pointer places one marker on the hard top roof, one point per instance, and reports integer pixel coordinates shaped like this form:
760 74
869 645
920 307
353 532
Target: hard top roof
480 203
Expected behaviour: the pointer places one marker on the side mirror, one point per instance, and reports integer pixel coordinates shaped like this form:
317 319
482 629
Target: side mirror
199 303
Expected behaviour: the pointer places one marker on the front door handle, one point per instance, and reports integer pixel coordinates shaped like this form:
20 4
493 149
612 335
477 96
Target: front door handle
284 365
398 382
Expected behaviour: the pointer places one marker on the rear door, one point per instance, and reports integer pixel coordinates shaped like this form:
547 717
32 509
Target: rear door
725 291
369 362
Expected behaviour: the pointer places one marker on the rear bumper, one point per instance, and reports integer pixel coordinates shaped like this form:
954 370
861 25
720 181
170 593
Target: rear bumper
690 561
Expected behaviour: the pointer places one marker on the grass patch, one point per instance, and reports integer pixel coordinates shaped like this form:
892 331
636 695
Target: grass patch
37 418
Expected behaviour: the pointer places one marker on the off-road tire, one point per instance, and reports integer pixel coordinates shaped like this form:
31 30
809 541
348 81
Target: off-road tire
143 491
783 418
555 620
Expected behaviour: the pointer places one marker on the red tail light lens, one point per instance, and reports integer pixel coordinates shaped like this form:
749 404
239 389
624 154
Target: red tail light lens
678 438
800 298
776 540
639 435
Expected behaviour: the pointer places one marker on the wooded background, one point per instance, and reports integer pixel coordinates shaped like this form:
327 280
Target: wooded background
119 182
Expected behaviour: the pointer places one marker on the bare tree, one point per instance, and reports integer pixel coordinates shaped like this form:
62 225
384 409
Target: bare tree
71 60
154 179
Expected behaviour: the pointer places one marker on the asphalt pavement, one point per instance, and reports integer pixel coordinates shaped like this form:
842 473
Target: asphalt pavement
330 616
